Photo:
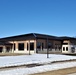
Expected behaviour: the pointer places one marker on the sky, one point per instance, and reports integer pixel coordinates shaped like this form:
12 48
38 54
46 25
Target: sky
53 17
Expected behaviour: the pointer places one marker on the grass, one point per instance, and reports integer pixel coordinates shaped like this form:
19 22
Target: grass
11 54
59 72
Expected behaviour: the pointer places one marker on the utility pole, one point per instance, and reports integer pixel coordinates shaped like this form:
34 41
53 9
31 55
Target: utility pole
47 49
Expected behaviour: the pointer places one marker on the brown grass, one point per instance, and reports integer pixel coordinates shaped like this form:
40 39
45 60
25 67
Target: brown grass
59 72
11 54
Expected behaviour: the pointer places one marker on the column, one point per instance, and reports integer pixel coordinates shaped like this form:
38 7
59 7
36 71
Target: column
4 49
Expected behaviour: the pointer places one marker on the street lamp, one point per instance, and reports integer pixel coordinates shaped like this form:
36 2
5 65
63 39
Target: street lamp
47 49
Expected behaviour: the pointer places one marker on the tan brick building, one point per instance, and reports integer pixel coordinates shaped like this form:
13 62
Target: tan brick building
37 43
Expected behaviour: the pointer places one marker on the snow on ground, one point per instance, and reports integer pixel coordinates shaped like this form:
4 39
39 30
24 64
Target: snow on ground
30 59
72 74
38 69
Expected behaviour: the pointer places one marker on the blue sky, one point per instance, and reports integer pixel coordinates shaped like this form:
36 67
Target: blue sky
54 17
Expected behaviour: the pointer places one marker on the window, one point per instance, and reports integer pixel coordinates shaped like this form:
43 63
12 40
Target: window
20 46
31 46
59 48
63 48
49 45
73 49
7 49
38 45
1 48
66 48
27 46
55 48
14 46
42 46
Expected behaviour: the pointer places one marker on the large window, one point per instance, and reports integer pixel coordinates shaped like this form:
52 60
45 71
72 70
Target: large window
20 46
14 46
31 46
38 45
49 45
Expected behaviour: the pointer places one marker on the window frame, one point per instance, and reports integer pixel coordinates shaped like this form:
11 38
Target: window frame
19 47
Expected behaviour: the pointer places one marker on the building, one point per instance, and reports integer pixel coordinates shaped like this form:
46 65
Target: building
68 45
37 43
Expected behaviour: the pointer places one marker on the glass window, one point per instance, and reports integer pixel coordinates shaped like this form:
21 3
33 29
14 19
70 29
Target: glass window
66 48
59 48
63 48
49 45
38 45
20 46
31 46
7 49
56 48
73 49
42 46
1 48
14 46
27 46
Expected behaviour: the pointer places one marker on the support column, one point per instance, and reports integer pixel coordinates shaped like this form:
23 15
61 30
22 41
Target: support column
4 49
13 47
16 46
25 46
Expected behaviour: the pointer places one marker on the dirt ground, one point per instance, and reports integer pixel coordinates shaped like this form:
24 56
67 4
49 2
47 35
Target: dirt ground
59 72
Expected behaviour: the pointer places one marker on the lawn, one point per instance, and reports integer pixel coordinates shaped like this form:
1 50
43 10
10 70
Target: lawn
48 64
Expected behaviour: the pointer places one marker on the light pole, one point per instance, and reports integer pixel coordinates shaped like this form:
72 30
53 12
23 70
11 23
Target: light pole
29 47
47 49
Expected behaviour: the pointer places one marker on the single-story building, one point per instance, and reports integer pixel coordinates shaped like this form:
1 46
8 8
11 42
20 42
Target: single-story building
37 43
68 45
